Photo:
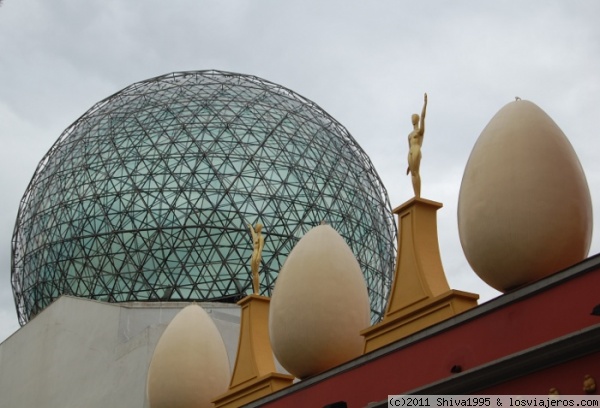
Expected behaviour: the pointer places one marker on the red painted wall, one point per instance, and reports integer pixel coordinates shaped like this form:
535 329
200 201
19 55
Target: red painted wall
567 378
555 312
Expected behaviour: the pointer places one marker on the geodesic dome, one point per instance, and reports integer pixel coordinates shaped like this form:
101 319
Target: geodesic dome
148 195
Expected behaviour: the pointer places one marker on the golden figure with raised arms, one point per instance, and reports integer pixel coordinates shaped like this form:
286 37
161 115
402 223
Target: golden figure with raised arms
415 141
258 242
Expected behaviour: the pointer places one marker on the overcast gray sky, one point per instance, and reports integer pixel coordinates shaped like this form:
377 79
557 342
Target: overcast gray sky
367 63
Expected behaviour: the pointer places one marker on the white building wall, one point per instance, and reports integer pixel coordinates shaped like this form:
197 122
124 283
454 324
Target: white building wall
83 353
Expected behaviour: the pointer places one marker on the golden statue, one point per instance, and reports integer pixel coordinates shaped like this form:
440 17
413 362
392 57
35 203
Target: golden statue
589 384
415 141
258 242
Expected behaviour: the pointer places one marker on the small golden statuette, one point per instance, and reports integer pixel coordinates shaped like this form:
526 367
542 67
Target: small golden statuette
258 242
589 384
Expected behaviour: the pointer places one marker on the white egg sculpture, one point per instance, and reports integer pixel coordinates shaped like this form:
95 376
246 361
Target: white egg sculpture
190 366
524 209
319 305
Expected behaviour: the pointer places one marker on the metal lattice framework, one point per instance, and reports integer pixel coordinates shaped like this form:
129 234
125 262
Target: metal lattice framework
148 195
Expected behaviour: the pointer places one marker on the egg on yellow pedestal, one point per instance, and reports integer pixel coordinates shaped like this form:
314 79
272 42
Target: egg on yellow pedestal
190 366
524 208
319 305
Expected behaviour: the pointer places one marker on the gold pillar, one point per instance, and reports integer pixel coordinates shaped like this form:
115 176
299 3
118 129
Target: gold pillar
254 373
420 295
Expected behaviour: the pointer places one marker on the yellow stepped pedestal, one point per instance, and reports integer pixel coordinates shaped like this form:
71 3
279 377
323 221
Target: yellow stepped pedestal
420 295
254 373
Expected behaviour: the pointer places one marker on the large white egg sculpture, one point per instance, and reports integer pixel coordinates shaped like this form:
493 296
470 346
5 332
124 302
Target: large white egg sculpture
524 209
190 366
319 305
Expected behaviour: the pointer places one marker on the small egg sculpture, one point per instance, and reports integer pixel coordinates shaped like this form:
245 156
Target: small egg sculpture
319 305
524 209
190 366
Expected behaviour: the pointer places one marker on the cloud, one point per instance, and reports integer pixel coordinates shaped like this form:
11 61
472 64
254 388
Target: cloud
365 63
